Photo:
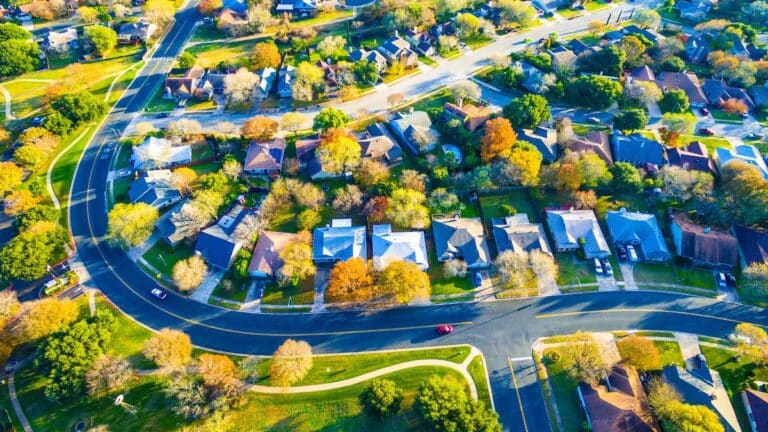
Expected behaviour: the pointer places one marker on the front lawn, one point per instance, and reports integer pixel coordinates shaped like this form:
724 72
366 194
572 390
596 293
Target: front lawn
721 115
574 271
477 41
646 272
303 293
442 284
569 13
163 257
564 389
434 100
670 353
711 143
594 6
232 288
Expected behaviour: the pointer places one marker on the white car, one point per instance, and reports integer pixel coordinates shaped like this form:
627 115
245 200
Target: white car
125 172
158 293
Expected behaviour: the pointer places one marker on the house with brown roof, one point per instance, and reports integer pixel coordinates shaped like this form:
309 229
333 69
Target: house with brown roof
472 116
329 72
193 84
265 261
618 405
703 245
377 144
753 245
265 157
685 81
596 142
231 21
756 405
694 156
305 149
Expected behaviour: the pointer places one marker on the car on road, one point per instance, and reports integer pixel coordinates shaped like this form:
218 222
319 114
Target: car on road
756 135
598 266
444 329
706 132
704 111
125 172
158 293
594 120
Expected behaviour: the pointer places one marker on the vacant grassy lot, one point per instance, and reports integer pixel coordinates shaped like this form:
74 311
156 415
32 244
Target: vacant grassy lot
211 54
494 205
666 273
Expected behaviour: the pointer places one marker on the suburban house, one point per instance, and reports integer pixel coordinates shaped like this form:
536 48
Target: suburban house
717 92
265 157
694 156
389 247
517 234
637 150
759 94
703 245
531 74
685 81
644 74
231 21
578 47
156 153
640 230
300 7
421 42
753 245
415 131
339 241
265 260
697 47
155 188
756 405
266 81
649 34
596 142
285 81
612 37
703 386
461 238
543 138
397 50
694 10
217 244
170 228
61 41
376 143
136 32
744 152
561 55
374 57
305 149
473 117
620 405
577 229
195 83
329 72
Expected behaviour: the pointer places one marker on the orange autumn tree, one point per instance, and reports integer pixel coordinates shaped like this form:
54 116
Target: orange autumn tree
734 106
350 281
498 139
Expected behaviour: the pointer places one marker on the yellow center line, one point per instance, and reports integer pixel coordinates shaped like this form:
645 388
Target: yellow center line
517 390
636 310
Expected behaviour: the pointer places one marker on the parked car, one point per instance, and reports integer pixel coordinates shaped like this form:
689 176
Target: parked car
730 280
477 279
444 329
594 120
608 268
632 253
704 111
622 252
706 132
158 293
721 282
598 267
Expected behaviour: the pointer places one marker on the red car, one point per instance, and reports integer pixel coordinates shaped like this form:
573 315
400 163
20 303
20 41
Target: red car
445 329
706 132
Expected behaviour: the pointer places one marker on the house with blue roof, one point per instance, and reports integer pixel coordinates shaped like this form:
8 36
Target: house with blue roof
415 131
517 234
640 230
285 81
637 150
218 244
747 153
461 238
389 246
703 386
266 81
577 229
155 189
339 241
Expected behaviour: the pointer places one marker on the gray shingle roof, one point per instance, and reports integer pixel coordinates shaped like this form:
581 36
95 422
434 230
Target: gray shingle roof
633 228
568 226
461 238
517 234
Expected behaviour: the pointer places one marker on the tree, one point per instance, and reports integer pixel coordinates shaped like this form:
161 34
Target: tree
350 281
674 101
159 11
445 405
309 83
371 172
292 121
209 7
412 179
517 12
646 18
583 358
132 224
217 370
347 199
187 60
676 416
523 163
750 339
395 98
9 306
291 362
639 352
104 39
609 61
630 119
755 280
297 262
633 48
265 54
231 168
182 179
626 177
645 92
259 128
684 185
339 152
80 107
375 209
468 25
406 209
498 139
169 349
455 268
513 268
87 15
9 31
239 85
597 27
593 91
18 57
332 47
528 111
191 399
465 90
381 398
308 219
28 254
443 202
744 191
18 202
404 282
182 128
734 106
45 317
30 156
188 274
330 118
10 177
679 123
57 123
543 265
108 374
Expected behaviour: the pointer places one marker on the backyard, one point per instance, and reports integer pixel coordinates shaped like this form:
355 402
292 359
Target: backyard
501 205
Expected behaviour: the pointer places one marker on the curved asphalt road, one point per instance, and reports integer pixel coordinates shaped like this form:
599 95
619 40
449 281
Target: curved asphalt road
503 331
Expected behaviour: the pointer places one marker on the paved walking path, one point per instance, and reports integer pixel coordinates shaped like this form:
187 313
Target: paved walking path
49 173
7 97
16 406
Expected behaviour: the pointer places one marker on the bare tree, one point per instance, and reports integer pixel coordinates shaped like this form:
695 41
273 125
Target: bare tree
247 228
394 99
108 374
465 90
348 199
455 268
169 349
501 60
183 127
514 268
291 362
543 265
145 128
239 86
188 274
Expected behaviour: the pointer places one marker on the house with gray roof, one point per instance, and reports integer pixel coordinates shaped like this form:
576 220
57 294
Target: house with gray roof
285 81
155 188
636 149
744 152
703 386
339 241
61 41
638 229
697 47
517 234
543 138
398 50
173 227
753 245
266 81
577 229
561 55
374 57
265 260
414 129
155 153
389 246
756 404
218 244
694 156
461 238
376 143
134 32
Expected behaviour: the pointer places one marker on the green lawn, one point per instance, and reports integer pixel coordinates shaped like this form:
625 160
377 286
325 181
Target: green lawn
388 78
569 13
164 257
158 103
477 372
237 289
721 115
573 271
669 13
735 375
665 273
435 100
442 284
5 405
670 353
596 6
303 293
493 205
564 389
211 54
710 142
477 41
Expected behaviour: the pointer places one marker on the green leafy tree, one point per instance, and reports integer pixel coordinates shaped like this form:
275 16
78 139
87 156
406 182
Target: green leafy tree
593 91
626 177
639 352
446 406
674 101
28 255
406 209
80 107
676 416
9 31
381 398
58 124
609 60
329 118
104 39
132 224
18 57
366 72
744 192
679 123
10 177
630 119
528 111
186 60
